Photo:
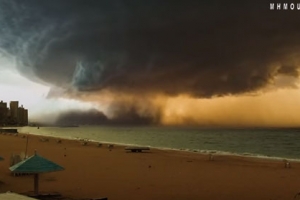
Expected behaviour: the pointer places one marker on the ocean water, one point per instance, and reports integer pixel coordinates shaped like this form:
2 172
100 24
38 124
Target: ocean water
269 143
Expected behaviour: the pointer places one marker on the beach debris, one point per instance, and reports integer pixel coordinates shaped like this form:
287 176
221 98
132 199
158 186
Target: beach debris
110 146
52 178
297 195
44 139
58 141
287 164
84 142
99 144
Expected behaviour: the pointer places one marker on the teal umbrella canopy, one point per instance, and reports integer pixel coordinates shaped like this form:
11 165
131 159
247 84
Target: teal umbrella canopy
35 164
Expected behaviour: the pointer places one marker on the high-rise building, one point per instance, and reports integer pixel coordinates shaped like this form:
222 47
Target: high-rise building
25 117
3 113
8 112
14 110
22 116
15 115
20 119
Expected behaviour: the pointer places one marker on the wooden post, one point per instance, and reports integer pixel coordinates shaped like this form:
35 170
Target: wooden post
26 145
36 184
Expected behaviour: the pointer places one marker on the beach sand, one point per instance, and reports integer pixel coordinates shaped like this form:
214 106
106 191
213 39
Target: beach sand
94 172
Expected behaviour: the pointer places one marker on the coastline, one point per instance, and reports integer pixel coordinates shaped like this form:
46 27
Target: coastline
273 144
204 152
93 172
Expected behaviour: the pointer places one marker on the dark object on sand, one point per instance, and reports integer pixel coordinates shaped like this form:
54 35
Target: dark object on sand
137 149
9 130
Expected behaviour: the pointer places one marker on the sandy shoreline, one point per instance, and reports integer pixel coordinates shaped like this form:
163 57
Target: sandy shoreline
94 172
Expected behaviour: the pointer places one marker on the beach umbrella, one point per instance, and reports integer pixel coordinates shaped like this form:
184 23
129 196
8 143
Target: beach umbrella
35 165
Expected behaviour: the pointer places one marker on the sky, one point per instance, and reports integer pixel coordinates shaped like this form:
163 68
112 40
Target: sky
207 63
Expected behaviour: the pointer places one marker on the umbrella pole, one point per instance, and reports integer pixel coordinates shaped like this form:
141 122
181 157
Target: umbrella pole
36 184
26 145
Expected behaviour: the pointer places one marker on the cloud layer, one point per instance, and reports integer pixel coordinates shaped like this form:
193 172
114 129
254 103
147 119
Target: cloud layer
201 49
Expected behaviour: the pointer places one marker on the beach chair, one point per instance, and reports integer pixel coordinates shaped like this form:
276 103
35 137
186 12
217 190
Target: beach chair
14 159
22 156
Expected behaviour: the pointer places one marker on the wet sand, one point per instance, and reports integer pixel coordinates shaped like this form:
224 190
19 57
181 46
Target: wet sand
94 172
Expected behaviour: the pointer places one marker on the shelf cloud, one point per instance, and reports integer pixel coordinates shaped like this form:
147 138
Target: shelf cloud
202 49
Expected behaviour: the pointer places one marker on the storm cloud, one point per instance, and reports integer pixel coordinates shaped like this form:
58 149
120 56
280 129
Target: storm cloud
201 48
76 117
121 114
198 48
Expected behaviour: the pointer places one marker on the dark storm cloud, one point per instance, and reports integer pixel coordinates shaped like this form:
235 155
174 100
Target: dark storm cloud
77 117
122 116
289 70
128 112
202 48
